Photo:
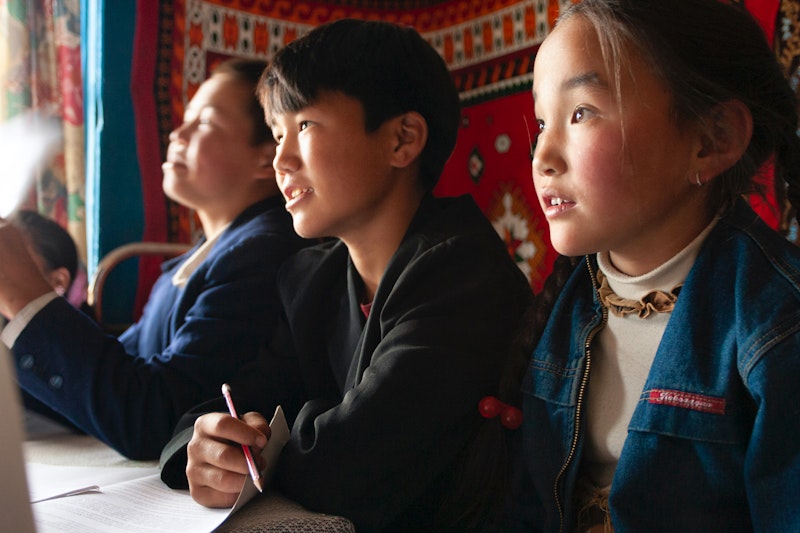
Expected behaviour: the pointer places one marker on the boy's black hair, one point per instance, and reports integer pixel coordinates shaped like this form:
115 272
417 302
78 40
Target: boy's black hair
389 68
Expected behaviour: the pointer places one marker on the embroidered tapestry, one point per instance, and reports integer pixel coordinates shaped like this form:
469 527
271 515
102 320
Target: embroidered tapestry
489 48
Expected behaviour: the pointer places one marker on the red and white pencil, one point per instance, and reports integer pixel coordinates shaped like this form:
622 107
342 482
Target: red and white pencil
248 455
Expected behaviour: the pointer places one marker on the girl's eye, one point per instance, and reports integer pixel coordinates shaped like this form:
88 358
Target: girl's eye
539 131
582 114
303 124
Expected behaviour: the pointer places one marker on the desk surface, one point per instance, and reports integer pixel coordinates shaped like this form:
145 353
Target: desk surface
53 445
270 512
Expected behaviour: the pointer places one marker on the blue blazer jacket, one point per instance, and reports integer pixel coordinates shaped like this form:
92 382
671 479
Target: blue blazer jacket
130 392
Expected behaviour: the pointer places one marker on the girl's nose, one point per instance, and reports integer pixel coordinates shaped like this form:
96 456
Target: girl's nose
547 159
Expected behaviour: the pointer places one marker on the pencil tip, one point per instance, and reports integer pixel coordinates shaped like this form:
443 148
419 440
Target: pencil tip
258 484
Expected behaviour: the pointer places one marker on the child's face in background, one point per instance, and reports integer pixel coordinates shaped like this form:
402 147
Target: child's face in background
335 176
211 158
633 194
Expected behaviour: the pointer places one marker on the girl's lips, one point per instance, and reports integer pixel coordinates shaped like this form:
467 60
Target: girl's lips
555 205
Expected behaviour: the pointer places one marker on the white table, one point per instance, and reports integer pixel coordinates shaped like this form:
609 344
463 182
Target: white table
271 512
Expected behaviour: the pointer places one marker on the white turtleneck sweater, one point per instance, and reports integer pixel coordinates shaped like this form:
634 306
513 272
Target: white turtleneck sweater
621 358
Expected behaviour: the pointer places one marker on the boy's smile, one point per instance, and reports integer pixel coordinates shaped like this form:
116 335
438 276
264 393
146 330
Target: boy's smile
334 175
294 195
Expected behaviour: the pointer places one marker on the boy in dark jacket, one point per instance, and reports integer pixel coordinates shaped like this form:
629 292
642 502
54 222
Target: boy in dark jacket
401 324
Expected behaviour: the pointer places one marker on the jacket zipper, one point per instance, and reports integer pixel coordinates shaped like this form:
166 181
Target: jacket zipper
579 406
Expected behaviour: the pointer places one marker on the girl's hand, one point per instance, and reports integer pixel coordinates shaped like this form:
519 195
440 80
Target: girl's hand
216 467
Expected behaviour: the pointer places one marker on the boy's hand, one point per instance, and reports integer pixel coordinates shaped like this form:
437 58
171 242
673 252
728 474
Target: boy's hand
216 468
21 282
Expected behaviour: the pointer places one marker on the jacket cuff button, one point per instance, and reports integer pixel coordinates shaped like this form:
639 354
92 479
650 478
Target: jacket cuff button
26 362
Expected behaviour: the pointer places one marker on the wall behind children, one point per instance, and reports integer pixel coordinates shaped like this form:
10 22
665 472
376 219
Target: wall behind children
489 47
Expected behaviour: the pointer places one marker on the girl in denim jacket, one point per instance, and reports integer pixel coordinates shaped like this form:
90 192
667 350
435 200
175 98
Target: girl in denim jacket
660 391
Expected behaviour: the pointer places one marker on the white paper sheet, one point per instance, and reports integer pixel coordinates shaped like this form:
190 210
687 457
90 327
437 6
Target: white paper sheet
140 505
49 481
136 506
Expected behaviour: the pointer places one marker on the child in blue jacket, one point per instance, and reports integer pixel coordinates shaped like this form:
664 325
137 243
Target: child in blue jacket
661 392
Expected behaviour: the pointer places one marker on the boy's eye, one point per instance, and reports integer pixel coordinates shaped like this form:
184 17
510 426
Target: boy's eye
303 124
540 125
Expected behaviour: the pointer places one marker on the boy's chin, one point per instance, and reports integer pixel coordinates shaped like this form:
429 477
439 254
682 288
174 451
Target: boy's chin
306 232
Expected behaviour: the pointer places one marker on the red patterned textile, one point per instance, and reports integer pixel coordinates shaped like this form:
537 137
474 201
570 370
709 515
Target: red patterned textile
489 47
492 162
148 147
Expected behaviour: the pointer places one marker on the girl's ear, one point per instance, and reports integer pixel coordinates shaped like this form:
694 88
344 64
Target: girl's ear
409 137
725 138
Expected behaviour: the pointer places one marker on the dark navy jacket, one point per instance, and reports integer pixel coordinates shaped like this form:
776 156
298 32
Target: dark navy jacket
131 391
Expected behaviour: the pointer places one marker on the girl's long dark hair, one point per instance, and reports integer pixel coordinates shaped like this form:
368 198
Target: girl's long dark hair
484 491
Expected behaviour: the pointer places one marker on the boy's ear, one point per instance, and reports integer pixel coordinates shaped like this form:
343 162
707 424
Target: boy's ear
724 138
409 137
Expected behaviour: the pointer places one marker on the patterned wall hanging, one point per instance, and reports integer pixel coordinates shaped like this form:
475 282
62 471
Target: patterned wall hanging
488 46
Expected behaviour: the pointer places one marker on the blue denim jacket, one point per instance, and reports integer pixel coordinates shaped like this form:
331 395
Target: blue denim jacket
714 444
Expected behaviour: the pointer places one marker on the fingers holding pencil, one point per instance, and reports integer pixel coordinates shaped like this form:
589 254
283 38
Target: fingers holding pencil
216 467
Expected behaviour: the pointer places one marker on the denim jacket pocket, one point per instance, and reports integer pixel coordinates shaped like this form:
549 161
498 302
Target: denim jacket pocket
552 383
695 416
